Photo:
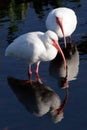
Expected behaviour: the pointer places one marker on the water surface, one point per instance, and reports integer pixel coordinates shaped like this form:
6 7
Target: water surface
20 17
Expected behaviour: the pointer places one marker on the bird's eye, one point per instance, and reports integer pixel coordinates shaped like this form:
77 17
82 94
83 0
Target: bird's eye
52 40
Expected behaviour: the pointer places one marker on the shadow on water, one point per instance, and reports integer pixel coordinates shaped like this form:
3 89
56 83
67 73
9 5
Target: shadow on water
57 70
38 98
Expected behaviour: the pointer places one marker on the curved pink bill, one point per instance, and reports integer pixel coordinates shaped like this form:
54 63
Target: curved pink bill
59 21
56 45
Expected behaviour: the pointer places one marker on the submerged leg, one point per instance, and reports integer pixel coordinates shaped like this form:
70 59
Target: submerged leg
36 72
30 73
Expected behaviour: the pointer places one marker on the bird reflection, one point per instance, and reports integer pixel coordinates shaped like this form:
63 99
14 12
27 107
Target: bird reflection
38 98
56 68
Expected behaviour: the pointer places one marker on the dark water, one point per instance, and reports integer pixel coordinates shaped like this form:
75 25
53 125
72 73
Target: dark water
19 17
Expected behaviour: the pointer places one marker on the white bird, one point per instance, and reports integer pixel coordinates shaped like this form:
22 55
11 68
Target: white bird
34 47
63 21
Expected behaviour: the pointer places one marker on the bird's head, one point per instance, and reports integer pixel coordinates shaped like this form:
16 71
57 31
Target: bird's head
49 35
52 39
59 21
59 16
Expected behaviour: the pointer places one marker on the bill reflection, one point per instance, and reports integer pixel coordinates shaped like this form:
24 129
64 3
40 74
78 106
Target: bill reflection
57 70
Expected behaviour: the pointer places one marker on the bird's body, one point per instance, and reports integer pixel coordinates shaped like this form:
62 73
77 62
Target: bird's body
34 47
62 20
30 47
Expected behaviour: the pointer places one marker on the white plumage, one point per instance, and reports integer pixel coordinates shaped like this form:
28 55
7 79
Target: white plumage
34 47
63 21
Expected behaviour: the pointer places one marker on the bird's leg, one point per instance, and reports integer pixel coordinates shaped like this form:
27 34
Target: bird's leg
70 40
64 81
36 72
30 73
72 45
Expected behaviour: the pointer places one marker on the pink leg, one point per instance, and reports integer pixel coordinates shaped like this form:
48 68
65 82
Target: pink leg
30 73
36 72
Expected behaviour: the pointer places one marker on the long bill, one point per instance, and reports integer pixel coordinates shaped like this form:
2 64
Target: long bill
59 21
57 46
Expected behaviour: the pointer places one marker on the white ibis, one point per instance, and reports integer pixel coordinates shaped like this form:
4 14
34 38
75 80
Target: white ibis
34 47
38 98
63 21
72 60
